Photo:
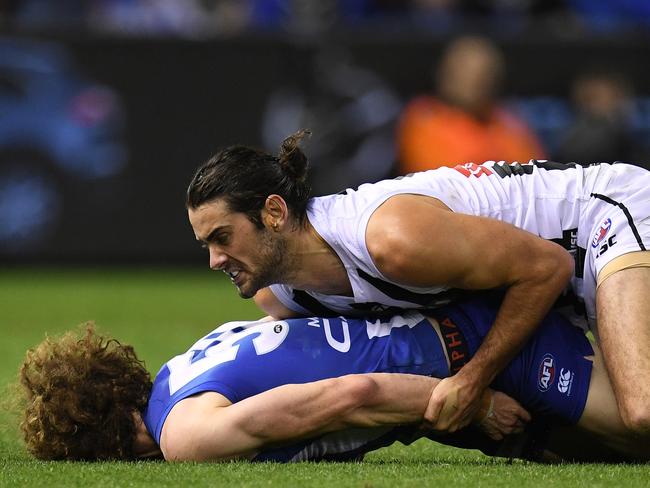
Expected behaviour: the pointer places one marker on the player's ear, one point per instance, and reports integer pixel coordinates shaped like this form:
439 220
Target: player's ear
275 212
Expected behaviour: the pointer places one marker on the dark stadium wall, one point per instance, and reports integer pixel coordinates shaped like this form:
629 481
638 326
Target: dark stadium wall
183 100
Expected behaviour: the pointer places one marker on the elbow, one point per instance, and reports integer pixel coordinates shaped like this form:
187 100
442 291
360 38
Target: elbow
564 267
557 268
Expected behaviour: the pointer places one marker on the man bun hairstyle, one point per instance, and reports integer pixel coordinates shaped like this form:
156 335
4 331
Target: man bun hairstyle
244 177
292 160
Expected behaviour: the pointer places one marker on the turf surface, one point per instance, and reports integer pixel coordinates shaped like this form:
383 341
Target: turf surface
162 312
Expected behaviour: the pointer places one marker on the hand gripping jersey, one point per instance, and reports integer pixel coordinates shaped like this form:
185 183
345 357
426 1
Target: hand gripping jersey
597 213
242 359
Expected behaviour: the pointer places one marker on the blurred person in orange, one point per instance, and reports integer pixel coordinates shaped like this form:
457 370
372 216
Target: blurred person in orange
464 121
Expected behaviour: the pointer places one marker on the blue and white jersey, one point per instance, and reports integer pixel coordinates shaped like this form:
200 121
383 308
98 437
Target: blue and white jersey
550 376
242 359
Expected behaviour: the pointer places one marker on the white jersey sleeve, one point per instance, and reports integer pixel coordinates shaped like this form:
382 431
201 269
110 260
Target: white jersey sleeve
285 295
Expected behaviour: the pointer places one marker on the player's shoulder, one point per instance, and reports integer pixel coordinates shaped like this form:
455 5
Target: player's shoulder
187 419
404 211
398 230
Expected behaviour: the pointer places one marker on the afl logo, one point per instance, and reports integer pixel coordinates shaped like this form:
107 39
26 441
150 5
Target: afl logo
601 232
546 374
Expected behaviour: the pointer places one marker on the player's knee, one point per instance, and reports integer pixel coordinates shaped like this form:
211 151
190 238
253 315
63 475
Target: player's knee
636 417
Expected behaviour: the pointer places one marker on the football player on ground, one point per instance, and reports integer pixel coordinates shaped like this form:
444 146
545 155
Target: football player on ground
421 240
317 389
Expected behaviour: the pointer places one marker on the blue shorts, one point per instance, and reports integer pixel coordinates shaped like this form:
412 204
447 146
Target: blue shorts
550 376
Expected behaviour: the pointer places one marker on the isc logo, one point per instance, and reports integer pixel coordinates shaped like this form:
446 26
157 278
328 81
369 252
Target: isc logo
546 374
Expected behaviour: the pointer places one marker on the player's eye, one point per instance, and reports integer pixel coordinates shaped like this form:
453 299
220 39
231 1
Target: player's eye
221 239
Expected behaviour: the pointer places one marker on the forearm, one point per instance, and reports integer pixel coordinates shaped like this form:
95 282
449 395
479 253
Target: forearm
524 306
391 399
292 412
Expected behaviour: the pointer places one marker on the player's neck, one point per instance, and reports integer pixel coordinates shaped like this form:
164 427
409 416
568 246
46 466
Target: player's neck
144 446
316 265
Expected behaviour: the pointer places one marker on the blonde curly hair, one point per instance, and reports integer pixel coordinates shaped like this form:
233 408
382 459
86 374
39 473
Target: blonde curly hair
79 394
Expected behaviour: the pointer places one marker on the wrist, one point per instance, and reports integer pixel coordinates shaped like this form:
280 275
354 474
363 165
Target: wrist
487 407
475 375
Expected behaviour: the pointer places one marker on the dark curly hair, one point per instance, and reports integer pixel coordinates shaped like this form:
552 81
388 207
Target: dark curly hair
244 177
79 394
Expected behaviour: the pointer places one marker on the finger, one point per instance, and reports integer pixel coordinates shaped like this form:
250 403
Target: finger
518 429
448 414
521 412
521 419
432 412
451 419
467 419
497 436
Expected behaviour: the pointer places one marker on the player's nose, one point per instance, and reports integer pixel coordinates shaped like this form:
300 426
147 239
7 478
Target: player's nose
217 259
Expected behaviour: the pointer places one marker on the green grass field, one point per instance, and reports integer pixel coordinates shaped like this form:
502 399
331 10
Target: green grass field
162 312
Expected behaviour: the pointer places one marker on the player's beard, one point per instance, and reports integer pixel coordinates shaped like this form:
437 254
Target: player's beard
270 265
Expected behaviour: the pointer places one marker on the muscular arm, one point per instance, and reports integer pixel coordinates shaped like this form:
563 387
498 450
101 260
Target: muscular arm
206 427
415 241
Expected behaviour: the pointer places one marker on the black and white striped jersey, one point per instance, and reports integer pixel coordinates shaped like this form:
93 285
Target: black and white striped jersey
552 200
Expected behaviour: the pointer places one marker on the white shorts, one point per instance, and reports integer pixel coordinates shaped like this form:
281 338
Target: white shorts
614 220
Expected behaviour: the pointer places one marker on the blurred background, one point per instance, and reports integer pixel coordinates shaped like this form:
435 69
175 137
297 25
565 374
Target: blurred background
108 106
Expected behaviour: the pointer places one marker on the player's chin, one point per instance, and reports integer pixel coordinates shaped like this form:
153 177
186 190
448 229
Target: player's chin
244 294
246 291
